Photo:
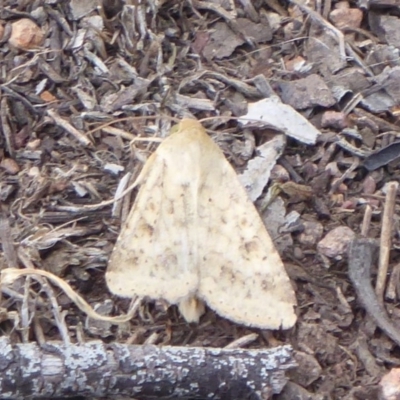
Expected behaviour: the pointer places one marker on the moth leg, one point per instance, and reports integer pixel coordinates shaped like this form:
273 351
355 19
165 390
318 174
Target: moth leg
191 308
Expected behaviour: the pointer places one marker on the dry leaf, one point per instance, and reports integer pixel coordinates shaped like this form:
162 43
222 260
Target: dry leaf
256 175
282 117
297 191
193 234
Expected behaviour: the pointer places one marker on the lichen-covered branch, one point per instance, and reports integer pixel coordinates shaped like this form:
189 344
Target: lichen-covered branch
99 370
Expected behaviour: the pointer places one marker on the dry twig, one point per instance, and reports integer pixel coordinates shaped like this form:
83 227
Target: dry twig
69 128
386 238
145 372
366 221
361 254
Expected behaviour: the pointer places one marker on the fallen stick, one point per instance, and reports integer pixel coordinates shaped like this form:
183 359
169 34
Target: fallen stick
105 370
361 253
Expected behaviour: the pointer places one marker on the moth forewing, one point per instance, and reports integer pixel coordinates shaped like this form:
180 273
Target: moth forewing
193 232
156 252
242 275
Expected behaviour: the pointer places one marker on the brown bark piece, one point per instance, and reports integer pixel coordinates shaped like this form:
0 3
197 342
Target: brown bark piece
306 92
96 369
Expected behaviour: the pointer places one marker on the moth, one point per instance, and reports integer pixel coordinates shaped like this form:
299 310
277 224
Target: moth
193 237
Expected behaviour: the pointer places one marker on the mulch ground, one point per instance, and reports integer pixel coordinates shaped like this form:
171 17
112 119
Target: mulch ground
73 76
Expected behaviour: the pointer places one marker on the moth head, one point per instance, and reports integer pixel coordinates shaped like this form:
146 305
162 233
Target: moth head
186 125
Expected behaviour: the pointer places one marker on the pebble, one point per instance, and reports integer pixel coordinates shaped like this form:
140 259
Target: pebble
25 35
335 242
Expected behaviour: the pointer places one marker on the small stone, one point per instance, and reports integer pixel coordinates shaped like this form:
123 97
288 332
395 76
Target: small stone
333 168
296 64
311 234
342 188
47 96
1 31
336 242
308 370
25 34
10 166
369 185
293 391
33 144
34 172
345 17
298 253
334 119
390 385
350 204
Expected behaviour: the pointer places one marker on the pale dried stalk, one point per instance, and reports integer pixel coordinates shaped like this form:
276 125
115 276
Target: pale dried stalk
366 221
386 238
9 275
